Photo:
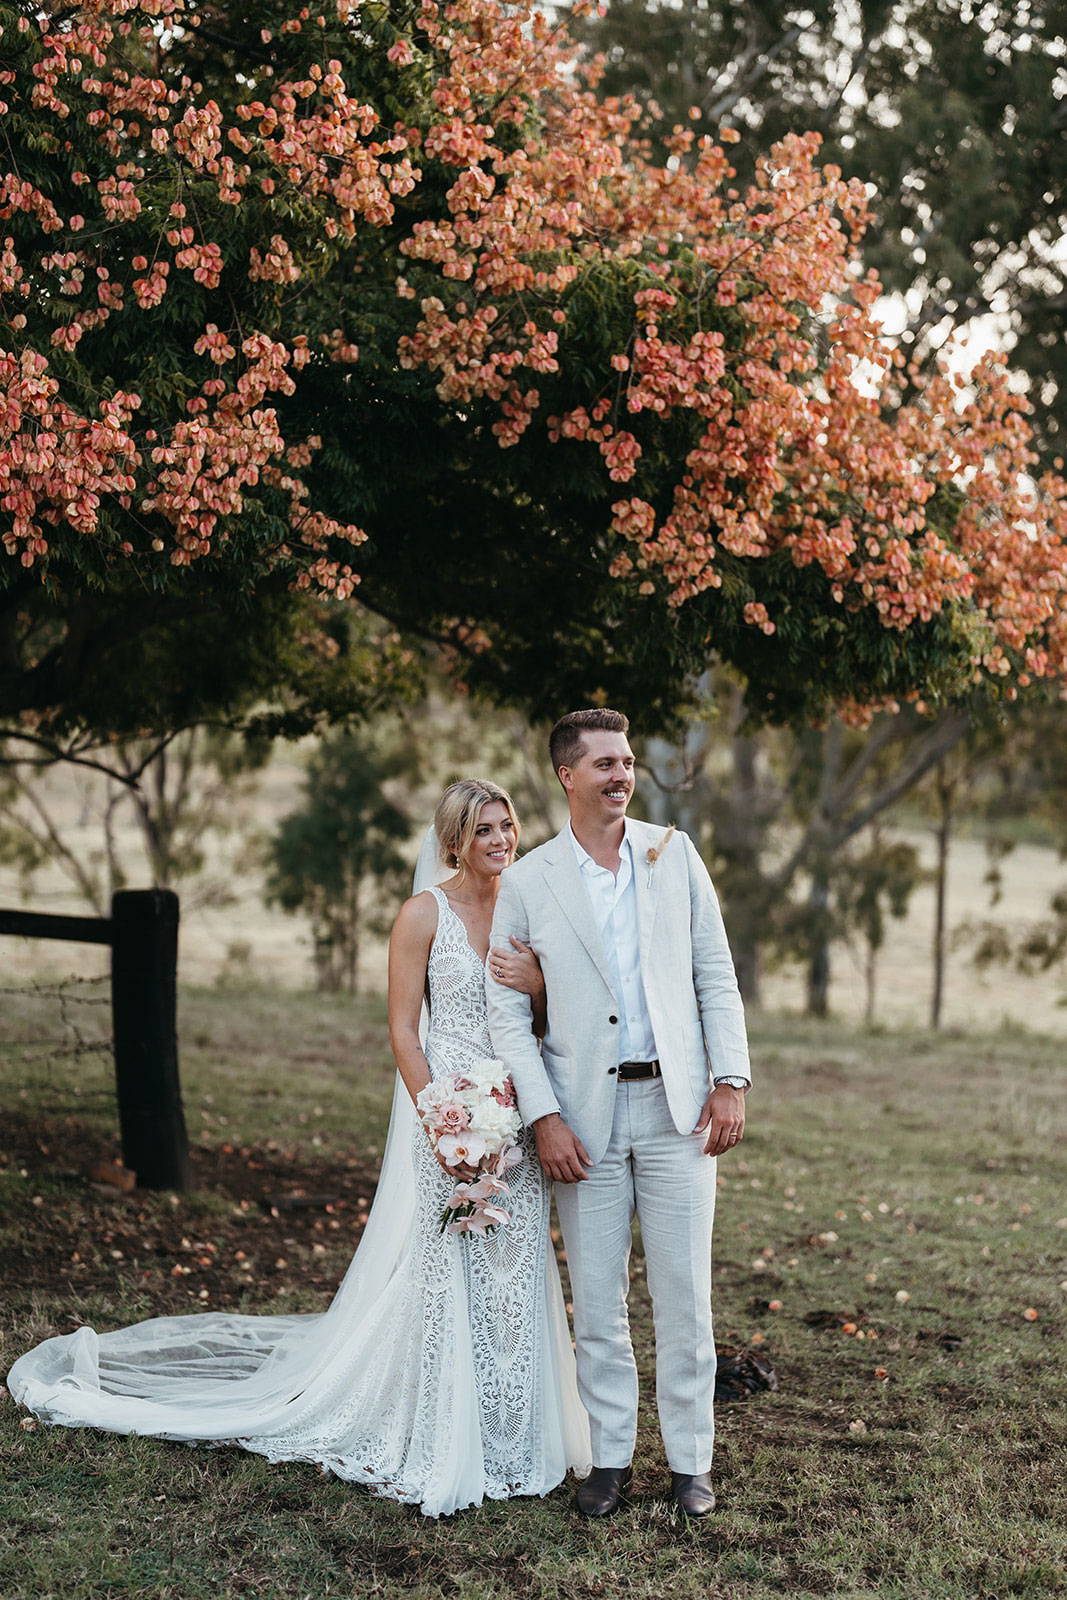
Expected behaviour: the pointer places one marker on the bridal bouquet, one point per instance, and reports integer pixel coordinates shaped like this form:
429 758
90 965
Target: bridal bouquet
473 1122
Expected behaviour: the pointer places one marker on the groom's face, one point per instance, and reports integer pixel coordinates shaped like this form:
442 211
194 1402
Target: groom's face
601 781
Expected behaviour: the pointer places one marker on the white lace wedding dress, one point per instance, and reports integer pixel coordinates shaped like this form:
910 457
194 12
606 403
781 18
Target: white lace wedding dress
441 1373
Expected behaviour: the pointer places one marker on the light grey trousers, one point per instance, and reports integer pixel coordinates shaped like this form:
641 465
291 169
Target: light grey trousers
664 1177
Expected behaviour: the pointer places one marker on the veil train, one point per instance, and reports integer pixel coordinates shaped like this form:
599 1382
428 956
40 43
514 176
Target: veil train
223 1375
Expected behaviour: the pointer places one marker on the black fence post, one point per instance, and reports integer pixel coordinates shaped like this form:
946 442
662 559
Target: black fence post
144 970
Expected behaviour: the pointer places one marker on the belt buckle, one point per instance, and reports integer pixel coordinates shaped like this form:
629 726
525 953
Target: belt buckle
651 1070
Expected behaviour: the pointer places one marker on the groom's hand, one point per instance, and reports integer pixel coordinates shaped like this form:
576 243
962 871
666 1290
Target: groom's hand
561 1153
723 1118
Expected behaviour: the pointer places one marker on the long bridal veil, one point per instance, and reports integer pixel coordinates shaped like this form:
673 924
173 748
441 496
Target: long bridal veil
214 1376
328 1386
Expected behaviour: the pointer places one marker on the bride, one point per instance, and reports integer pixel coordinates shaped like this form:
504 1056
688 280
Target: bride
442 1372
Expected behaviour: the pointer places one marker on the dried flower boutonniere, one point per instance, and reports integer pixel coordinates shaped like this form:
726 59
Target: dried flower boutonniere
654 851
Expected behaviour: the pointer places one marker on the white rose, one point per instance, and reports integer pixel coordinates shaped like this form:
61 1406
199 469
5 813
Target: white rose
487 1074
496 1124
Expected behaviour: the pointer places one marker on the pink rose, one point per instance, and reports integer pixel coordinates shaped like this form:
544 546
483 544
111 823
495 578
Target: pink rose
506 1095
451 1117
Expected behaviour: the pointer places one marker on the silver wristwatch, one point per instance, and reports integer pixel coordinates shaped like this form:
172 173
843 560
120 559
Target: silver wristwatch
735 1083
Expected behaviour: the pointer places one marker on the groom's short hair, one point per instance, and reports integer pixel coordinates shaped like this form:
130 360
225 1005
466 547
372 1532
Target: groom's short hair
565 740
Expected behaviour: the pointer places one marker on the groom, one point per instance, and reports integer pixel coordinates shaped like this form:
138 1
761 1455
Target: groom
640 1085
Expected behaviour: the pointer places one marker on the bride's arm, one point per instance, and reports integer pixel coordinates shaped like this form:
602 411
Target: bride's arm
409 954
517 967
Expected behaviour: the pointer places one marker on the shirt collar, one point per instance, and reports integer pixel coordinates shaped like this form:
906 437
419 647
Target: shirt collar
585 860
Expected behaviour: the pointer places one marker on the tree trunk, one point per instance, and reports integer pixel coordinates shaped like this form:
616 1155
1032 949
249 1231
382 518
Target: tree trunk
819 962
748 964
870 977
352 936
831 758
542 797
324 951
945 788
678 792
873 943
747 838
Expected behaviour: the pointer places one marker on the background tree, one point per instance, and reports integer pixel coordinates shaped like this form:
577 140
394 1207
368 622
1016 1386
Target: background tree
32 836
954 111
869 886
185 796
399 309
1013 786
784 818
338 859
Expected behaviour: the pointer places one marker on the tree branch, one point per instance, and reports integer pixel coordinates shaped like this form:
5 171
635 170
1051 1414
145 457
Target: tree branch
746 80
924 754
50 843
72 755
856 65
942 738
887 729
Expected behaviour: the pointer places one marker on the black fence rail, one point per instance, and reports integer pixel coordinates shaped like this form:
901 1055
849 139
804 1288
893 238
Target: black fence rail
142 932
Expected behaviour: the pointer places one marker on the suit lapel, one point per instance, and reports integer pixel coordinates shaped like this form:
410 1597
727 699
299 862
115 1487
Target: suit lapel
564 878
646 887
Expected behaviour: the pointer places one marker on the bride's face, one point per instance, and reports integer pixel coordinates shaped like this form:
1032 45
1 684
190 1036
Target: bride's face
493 846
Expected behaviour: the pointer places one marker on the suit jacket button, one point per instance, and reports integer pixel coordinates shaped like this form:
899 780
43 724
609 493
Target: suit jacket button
613 1019
612 1070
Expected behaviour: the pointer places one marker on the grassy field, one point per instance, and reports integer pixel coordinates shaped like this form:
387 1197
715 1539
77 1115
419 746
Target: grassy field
890 1235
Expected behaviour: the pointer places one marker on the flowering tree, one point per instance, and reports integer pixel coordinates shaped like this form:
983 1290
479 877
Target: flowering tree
380 301
951 110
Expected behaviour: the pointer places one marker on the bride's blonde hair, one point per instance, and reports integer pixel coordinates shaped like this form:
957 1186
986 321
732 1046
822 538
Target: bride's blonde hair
458 811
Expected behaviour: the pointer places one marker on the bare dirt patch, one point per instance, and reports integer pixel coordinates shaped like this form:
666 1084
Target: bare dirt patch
261 1220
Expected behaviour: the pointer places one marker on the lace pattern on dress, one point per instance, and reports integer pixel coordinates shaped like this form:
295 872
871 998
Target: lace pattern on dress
505 1271
390 1421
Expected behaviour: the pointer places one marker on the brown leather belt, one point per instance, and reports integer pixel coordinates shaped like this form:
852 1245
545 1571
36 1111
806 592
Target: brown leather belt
628 1070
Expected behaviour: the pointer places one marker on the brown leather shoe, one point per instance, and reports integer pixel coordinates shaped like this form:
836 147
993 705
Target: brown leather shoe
600 1494
692 1493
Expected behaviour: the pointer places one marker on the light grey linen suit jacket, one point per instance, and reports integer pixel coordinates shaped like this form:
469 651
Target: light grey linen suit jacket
697 1017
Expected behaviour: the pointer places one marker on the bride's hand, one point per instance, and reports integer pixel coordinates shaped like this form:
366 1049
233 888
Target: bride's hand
517 968
460 1174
